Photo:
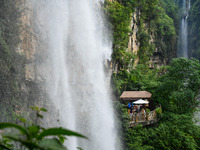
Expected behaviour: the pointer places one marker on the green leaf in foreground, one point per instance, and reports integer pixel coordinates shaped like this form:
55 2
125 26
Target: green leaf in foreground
3 147
11 125
28 144
43 109
33 130
52 144
59 131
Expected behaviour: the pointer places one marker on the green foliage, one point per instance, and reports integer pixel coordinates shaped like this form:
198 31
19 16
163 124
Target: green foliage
194 29
127 3
165 34
119 17
147 110
11 125
175 88
38 111
148 9
148 13
123 116
156 29
146 48
58 131
35 137
139 78
171 10
179 86
165 25
174 132
158 112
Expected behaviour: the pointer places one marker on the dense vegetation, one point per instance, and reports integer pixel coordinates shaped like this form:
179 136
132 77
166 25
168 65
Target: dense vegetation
194 29
157 23
175 86
157 35
120 17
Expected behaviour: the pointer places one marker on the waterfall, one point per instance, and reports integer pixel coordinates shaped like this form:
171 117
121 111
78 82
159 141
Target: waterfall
183 33
74 34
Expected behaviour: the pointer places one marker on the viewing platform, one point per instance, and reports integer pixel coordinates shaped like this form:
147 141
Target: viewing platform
144 119
140 107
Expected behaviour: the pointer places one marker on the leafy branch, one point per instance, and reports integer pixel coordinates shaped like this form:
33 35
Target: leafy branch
35 137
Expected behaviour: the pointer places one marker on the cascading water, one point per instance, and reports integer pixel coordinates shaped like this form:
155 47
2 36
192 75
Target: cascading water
74 33
183 40
183 35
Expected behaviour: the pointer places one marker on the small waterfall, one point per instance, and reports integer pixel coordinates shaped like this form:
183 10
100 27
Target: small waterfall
77 46
183 44
183 34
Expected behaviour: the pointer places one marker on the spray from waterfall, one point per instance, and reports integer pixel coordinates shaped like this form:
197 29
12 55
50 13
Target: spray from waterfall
183 33
77 47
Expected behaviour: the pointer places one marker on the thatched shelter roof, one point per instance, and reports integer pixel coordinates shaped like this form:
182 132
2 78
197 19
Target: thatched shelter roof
135 95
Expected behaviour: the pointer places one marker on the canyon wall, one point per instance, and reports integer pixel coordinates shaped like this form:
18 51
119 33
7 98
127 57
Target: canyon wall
22 74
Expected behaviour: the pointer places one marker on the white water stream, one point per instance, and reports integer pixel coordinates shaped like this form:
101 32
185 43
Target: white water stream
78 47
183 35
183 42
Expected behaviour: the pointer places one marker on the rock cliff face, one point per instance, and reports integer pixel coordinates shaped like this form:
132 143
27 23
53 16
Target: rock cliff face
133 43
156 59
27 45
21 76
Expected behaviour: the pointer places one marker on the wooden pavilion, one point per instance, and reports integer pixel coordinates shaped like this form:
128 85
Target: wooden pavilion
131 96
140 117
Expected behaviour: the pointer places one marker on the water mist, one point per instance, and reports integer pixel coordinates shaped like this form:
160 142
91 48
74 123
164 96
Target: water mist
74 33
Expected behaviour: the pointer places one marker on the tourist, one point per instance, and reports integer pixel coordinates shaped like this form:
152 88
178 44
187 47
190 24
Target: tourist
137 110
131 112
